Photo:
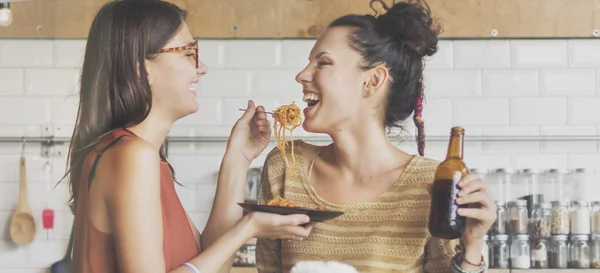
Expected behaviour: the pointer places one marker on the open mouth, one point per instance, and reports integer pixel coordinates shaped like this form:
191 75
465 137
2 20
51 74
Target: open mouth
311 99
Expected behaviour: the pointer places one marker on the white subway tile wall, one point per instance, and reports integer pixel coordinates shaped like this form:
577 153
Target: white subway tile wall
490 87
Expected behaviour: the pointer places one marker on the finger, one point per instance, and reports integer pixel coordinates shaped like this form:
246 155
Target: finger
468 179
262 122
264 129
477 197
298 232
479 214
293 220
473 186
250 111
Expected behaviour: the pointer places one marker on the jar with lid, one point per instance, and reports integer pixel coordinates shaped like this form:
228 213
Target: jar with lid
499 184
500 251
528 181
499 227
539 253
580 182
579 251
556 180
540 220
580 217
520 252
595 251
559 251
595 217
517 217
559 218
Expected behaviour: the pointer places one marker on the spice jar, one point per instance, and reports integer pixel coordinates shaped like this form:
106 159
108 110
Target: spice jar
539 253
499 184
499 227
595 218
580 217
500 251
559 218
595 251
520 252
540 221
559 251
556 181
517 217
580 180
579 251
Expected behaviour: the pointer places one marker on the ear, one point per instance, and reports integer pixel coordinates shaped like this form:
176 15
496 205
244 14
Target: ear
148 71
376 80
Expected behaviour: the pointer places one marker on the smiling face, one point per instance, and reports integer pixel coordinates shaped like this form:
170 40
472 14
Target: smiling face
174 75
333 84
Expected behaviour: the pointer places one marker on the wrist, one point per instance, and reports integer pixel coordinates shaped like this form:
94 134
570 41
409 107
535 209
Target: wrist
472 253
235 159
246 228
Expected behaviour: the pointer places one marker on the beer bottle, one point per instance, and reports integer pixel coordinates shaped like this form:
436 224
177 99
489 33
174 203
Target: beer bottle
444 222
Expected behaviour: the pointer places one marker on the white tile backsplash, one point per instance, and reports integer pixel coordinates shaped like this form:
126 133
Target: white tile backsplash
493 88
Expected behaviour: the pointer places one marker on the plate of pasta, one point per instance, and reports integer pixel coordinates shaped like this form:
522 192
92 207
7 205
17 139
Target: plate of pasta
283 206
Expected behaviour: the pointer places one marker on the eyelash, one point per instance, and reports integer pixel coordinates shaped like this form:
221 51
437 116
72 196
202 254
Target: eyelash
323 63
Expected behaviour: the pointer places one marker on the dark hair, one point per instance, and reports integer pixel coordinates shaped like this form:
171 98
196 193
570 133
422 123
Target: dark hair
112 95
398 39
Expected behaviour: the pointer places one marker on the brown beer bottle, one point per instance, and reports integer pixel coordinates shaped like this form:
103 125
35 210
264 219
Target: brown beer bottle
444 222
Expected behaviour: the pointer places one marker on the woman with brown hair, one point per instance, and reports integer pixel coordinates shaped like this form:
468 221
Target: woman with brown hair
139 72
364 76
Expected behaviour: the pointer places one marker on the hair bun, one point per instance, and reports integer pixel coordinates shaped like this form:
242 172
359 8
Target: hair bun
410 24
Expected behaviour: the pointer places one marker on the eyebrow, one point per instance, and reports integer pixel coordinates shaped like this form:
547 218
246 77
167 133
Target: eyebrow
320 54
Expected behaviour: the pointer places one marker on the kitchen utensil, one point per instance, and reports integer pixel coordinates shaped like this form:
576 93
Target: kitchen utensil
64 265
315 215
22 224
48 213
257 111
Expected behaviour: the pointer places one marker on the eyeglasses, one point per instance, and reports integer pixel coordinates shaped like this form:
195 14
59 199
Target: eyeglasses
193 46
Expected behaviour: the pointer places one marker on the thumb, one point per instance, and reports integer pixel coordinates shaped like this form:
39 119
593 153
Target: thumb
250 111
295 219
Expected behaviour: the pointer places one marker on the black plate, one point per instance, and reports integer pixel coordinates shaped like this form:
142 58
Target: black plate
315 215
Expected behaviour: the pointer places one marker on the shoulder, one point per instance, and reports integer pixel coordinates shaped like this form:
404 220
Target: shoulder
422 169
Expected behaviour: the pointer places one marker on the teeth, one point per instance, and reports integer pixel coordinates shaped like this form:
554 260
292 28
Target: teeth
311 96
192 87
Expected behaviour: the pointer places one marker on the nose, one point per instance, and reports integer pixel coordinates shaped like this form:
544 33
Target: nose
304 76
202 69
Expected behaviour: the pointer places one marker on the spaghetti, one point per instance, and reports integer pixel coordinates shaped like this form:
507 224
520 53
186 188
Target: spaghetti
287 118
282 202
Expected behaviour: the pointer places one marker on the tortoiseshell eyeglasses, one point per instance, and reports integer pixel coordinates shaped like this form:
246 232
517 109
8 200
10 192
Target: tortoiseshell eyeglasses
193 46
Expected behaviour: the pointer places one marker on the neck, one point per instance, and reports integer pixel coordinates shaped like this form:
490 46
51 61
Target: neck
153 129
364 151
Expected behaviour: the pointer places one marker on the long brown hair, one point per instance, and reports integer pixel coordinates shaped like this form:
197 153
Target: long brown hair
112 94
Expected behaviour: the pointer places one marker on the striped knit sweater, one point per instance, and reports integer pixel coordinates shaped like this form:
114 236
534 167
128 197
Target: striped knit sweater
388 234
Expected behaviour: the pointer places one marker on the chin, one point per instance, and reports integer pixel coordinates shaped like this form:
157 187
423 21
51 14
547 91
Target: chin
313 128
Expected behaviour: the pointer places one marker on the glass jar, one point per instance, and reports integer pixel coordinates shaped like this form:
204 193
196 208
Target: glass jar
559 218
540 221
485 252
500 251
556 181
579 252
499 227
520 252
517 217
499 184
580 217
539 253
559 251
528 180
595 251
579 183
595 217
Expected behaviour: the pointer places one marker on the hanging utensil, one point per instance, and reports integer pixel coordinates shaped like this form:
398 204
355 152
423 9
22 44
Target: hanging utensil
22 224
48 213
64 265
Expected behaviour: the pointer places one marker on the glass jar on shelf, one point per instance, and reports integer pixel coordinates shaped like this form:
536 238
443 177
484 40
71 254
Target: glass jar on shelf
580 184
579 252
595 217
559 251
500 251
559 218
499 227
539 253
528 181
520 252
580 217
499 184
540 220
485 253
595 251
557 182
517 217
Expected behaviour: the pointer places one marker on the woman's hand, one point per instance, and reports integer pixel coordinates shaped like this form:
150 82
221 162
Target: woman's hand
251 133
275 226
480 211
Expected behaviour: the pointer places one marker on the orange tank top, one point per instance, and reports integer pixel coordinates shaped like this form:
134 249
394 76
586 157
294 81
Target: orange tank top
93 250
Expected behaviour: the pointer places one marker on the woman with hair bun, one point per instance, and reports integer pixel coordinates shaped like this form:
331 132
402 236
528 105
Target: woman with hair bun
364 76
